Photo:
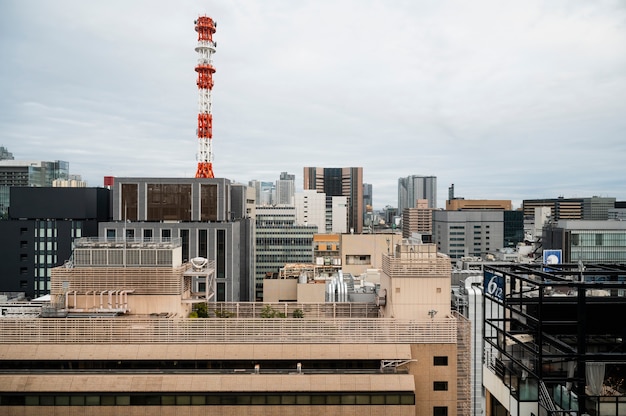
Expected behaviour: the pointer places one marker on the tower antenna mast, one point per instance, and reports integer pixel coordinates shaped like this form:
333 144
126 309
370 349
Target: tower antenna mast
205 26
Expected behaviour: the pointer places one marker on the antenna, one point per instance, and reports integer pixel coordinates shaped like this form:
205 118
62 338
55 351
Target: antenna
205 26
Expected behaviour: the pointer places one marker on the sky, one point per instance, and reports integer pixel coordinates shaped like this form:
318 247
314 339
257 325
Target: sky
505 100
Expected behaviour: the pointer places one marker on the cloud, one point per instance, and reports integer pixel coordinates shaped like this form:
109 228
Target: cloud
507 101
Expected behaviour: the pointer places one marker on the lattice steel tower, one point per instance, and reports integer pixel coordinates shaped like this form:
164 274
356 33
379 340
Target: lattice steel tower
205 26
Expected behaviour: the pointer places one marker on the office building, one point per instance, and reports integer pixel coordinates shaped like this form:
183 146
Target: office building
328 213
285 189
587 241
368 202
39 233
415 187
280 240
418 220
346 182
27 173
468 233
210 216
553 344
594 208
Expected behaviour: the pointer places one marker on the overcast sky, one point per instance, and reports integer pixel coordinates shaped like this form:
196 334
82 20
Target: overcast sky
507 100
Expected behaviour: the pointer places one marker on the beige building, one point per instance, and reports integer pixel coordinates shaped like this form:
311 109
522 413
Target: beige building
138 353
362 252
460 204
418 220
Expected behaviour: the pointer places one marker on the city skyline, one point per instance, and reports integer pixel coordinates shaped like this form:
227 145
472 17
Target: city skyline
505 101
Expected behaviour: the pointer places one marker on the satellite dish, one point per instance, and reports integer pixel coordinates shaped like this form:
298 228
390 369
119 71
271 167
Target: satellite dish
199 262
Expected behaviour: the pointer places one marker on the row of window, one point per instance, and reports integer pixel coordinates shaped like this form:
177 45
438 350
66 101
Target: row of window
224 399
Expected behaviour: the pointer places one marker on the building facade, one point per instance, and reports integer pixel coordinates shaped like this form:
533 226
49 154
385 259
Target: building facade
285 189
551 346
280 240
39 233
468 233
117 339
415 187
347 182
593 208
587 241
418 220
208 215
27 173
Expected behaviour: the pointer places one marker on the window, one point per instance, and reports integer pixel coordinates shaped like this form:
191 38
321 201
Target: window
440 411
440 360
440 385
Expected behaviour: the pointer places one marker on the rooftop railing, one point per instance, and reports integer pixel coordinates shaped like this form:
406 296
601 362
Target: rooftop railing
226 331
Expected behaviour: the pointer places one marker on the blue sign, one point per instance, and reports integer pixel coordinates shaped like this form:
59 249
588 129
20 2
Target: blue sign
493 285
552 256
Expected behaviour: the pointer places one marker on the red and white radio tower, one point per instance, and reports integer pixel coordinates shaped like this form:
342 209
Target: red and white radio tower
205 26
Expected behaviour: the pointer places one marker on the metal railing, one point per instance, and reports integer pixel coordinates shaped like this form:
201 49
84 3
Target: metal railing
226 331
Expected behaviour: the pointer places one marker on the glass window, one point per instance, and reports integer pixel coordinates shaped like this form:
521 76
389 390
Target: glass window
440 385
440 360
440 411
208 202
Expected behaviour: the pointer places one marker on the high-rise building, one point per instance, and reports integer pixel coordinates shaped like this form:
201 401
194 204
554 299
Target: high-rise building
280 240
209 216
285 189
27 173
329 214
368 201
418 220
40 231
346 182
415 187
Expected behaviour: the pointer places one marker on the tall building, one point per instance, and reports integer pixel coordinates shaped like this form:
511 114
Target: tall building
285 189
264 192
593 208
418 220
208 215
346 182
280 240
40 232
368 201
27 173
329 214
415 187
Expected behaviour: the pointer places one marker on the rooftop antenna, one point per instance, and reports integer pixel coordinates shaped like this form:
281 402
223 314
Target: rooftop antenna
205 26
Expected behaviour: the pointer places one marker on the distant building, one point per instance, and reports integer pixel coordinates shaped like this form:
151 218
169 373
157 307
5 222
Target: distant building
368 201
346 182
265 192
587 241
418 220
594 208
209 216
285 189
468 233
461 204
415 187
329 214
27 173
40 231
280 240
